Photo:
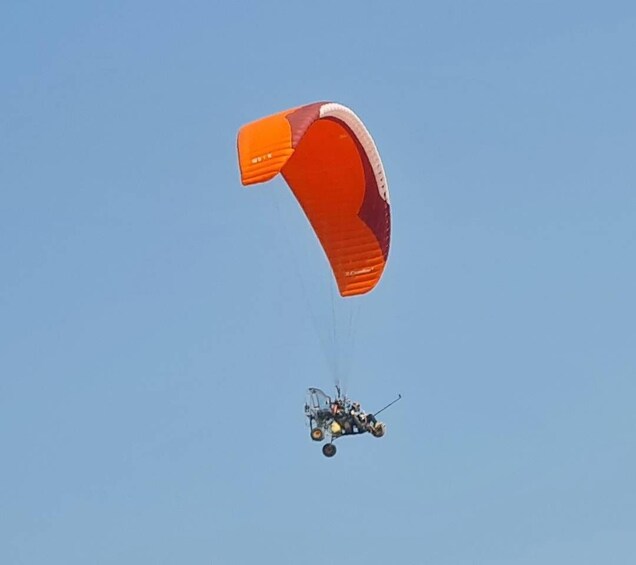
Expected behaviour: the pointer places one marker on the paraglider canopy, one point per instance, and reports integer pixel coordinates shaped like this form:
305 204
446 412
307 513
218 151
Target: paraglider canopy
330 162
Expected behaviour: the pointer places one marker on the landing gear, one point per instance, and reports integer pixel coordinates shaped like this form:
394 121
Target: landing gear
378 429
329 450
317 434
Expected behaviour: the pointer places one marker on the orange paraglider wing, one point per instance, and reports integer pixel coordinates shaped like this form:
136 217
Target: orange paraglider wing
330 162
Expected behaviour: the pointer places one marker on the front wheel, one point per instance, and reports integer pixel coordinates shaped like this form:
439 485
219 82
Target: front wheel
317 434
378 430
329 450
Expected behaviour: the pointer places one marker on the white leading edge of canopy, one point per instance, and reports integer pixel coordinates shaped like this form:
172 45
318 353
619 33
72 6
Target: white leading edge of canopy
355 124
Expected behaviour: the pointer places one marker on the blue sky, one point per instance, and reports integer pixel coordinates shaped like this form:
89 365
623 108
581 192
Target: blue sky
156 337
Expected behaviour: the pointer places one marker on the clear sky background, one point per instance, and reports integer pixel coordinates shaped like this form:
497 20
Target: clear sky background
155 340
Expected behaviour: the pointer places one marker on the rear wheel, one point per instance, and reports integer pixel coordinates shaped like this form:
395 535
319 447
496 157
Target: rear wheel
329 450
317 434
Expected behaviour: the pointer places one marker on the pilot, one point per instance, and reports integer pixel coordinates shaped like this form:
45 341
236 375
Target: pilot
355 411
340 415
363 422
336 407
358 417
